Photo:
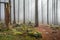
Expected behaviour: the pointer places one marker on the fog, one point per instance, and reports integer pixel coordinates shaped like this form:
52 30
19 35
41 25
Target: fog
30 11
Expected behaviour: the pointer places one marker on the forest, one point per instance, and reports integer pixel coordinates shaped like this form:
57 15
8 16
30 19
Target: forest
29 20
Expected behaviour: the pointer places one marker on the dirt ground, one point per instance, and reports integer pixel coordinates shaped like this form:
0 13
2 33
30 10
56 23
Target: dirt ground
48 33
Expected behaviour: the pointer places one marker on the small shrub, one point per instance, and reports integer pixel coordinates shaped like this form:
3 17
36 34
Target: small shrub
35 34
54 27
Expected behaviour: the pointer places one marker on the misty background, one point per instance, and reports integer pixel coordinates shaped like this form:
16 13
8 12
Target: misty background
30 11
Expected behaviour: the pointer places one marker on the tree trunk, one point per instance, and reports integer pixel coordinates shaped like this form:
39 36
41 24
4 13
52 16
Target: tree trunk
7 15
47 11
0 10
57 11
42 10
14 11
18 9
36 13
24 11
53 11
10 10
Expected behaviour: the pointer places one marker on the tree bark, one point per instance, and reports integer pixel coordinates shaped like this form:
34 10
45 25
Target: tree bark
42 10
14 12
10 10
36 13
18 10
56 13
7 15
24 11
0 11
47 11
53 11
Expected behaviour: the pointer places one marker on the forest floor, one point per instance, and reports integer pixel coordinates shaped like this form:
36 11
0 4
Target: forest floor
48 33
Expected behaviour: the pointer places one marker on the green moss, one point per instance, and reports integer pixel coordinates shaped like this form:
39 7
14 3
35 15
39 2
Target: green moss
22 32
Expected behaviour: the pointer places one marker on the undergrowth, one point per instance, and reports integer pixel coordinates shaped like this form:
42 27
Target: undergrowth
20 32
